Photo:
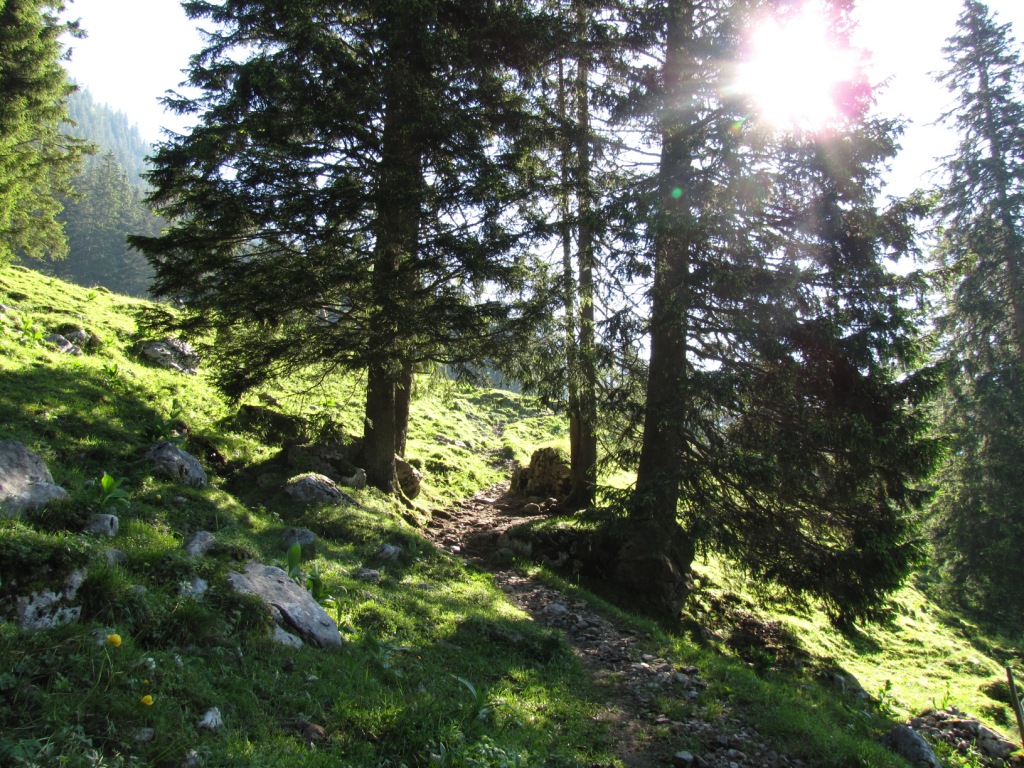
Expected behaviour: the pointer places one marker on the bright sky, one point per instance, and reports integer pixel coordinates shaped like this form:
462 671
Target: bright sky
136 51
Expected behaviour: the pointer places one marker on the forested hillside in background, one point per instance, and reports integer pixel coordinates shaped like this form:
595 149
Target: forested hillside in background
111 131
107 204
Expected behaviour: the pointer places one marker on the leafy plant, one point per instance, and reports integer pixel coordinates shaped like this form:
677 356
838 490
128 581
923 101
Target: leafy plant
481 708
28 332
111 493
166 428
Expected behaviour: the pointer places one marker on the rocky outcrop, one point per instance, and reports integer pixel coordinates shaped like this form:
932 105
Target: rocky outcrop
174 354
965 735
64 345
25 480
292 607
47 609
171 463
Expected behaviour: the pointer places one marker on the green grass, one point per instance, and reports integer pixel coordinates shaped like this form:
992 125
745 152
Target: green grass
437 668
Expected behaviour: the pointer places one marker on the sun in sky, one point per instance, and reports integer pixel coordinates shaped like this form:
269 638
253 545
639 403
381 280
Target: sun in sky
800 74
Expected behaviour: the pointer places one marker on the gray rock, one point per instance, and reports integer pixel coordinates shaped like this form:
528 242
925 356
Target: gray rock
47 609
409 478
63 345
357 481
296 608
115 557
305 538
170 353
905 741
199 543
211 720
79 337
143 735
312 487
172 463
281 637
102 525
196 587
683 759
367 574
25 480
387 552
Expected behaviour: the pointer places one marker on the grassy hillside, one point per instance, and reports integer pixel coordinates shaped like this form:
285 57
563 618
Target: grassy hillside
438 668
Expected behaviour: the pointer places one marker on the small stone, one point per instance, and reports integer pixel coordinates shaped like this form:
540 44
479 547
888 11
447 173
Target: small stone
388 552
199 543
683 759
211 720
367 574
102 525
531 510
143 735
312 732
194 588
115 557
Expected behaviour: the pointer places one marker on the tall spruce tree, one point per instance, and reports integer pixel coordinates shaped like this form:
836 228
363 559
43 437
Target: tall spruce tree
782 417
980 506
346 198
37 158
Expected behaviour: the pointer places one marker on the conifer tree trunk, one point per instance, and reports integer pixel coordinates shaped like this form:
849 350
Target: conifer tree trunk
581 352
655 558
396 232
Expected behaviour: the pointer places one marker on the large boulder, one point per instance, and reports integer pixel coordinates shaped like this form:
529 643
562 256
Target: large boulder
25 480
172 463
547 475
293 607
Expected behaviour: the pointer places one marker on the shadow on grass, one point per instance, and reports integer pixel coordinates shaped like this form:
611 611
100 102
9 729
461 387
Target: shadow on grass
78 419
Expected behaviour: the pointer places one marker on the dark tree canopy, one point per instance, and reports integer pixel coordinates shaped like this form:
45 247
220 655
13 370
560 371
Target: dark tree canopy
347 197
783 414
37 159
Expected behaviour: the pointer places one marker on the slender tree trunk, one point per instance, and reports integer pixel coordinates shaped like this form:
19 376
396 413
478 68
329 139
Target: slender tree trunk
653 562
580 332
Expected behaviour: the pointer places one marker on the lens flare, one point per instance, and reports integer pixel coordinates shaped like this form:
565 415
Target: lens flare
800 74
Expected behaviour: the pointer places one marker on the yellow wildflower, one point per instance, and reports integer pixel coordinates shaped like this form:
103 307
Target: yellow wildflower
114 639
147 700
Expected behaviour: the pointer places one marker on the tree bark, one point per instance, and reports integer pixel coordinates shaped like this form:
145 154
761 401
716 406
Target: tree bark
379 429
403 402
655 557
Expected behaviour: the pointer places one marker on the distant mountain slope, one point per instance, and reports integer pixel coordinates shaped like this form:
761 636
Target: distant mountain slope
111 131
